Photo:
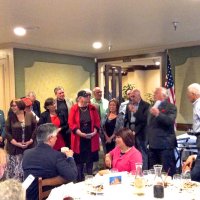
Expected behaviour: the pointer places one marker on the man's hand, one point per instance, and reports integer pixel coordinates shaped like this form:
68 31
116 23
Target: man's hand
69 153
187 165
154 111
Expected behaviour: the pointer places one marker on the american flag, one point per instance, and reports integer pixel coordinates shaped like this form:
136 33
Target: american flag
169 84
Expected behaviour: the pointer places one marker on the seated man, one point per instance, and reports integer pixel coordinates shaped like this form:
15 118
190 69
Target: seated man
43 161
192 165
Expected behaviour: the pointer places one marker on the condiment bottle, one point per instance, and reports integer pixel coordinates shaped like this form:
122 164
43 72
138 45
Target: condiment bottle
158 186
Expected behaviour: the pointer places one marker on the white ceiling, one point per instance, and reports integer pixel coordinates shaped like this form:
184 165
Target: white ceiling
71 26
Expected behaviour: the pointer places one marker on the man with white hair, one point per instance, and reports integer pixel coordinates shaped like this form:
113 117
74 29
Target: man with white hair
160 132
193 94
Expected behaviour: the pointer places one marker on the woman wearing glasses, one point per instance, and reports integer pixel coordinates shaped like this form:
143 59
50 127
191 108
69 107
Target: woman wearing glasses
20 127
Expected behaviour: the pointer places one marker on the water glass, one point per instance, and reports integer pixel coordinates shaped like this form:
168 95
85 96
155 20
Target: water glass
177 180
151 176
114 170
146 176
88 182
186 177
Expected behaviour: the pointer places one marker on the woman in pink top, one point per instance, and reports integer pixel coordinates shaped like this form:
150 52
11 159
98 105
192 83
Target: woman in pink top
124 156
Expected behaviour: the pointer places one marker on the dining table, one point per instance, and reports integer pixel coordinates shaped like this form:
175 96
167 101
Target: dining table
123 191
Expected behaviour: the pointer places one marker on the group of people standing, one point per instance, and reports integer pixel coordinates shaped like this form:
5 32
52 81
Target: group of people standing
132 128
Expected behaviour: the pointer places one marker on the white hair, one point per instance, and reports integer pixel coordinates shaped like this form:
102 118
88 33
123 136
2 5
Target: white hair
11 189
194 88
163 91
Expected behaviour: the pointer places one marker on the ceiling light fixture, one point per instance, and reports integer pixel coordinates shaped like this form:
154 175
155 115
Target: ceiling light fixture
20 31
97 45
175 24
157 63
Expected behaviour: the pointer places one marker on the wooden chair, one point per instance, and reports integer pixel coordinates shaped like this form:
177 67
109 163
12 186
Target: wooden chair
55 181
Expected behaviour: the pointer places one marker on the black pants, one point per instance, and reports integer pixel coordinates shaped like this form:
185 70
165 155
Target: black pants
164 157
80 167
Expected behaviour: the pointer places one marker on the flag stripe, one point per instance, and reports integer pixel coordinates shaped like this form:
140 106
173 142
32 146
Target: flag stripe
169 84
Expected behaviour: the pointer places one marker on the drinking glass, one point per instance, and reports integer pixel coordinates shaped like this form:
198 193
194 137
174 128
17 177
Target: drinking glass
151 176
177 180
114 170
146 176
88 182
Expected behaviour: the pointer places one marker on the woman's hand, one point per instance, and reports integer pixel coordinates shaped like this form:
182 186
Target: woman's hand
1 139
29 142
108 160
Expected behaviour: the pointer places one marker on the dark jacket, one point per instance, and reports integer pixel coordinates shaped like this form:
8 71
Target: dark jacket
160 129
43 161
45 118
14 131
141 119
195 173
2 127
36 108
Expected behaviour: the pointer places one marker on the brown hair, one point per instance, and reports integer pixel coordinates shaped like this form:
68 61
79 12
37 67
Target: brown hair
116 103
48 102
20 104
127 136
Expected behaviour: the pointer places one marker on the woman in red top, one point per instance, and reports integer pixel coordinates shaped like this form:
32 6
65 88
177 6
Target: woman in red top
51 115
84 122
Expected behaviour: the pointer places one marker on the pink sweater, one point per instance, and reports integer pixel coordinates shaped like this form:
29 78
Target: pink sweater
127 161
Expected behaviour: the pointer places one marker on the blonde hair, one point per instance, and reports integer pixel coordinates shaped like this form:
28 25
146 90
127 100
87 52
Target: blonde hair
11 189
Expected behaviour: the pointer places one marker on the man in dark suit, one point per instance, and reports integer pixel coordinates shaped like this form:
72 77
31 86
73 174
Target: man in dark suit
35 103
160 131
136 119
43 161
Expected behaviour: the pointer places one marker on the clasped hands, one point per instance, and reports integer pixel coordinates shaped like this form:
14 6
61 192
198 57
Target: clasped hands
88 135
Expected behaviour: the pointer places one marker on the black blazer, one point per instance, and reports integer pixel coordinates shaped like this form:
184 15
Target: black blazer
195 173
43 161
141 119
36 108
160 129
45 118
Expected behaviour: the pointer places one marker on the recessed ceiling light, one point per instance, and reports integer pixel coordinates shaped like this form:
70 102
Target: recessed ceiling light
157 63
20 31
97 45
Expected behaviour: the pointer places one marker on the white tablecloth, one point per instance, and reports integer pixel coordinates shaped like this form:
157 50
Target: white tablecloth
124 191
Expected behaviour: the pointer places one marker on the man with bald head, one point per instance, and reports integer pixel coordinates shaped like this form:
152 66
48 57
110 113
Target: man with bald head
193 94
161 133
136 119
98 99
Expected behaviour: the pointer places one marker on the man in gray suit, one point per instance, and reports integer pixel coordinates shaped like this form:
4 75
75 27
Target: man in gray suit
160 132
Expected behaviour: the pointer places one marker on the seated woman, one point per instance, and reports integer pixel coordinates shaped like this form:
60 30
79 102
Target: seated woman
51 115
111 123
124 156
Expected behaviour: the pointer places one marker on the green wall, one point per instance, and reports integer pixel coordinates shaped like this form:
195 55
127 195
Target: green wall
26 58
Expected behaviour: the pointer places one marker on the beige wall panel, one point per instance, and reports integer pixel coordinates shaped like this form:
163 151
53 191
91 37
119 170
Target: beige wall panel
185 75
145 81
44 77
152 80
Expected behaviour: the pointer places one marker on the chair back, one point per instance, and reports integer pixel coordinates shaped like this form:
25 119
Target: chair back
55 181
